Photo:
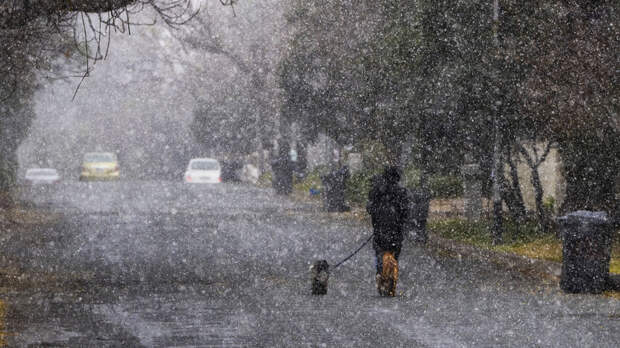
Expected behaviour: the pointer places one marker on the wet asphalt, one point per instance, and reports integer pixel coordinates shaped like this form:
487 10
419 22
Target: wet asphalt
164 264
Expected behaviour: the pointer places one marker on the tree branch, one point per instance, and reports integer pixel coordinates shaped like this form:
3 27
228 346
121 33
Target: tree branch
15 13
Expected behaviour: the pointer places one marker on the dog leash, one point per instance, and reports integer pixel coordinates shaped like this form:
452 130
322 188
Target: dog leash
353 254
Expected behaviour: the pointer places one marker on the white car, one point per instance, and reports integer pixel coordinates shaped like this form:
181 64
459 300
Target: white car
41 176
203 171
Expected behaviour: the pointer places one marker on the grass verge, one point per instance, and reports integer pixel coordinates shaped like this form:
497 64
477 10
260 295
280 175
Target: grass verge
522 239
264 180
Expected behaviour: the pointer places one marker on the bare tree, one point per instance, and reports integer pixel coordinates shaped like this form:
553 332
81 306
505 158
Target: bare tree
34 32
14 13
534 159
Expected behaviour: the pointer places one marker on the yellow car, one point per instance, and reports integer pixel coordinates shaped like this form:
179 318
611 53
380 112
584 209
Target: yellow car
100 166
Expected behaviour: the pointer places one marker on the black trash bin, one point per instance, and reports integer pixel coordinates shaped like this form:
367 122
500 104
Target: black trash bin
415 226
334 184
586 251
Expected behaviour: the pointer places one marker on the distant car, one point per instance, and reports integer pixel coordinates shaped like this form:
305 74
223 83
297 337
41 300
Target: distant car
100 166
41 176
203 171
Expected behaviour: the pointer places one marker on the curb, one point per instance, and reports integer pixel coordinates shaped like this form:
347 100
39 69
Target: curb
544 269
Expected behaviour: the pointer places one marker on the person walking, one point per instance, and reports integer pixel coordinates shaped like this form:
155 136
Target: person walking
388 204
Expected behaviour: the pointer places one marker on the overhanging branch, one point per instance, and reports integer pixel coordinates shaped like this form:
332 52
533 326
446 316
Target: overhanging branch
15 13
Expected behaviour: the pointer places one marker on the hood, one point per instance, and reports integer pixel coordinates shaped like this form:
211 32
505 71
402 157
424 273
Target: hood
391 175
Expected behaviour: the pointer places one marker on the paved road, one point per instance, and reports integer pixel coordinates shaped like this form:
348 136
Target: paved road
160 264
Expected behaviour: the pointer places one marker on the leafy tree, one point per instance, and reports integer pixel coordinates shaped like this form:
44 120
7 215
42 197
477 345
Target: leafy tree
554 80
18 82
573 93
224 123
446 73
244 106
321 73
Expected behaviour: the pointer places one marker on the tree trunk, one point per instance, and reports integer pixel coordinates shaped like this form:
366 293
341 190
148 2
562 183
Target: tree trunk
496 174
534 164
516 205
8 175
302 157
260 158
425 156
540 209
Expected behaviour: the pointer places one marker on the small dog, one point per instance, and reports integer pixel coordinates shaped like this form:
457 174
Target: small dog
320 277
386 281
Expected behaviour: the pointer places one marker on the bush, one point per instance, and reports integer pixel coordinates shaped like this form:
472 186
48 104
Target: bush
264 180
549 205
441 186
311 180
449 186
358 186
411 177
479 232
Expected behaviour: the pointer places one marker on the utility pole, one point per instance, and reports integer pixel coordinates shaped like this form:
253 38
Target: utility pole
258 138
497 160
260 165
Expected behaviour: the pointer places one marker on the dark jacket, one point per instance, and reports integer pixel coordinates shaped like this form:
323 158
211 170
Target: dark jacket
388 204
